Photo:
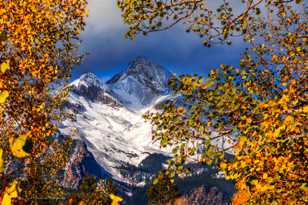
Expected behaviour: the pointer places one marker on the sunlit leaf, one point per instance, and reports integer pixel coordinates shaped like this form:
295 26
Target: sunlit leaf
17 146
223 166
10 193
1 161
116 200
3 96
5 66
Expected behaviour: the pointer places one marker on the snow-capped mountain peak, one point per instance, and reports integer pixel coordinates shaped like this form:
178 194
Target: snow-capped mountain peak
88 80
117 136
110 131
146 72
91 88
140 84
107 121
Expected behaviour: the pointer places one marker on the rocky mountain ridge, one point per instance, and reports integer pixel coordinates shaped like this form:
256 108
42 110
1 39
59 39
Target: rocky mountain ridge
112 138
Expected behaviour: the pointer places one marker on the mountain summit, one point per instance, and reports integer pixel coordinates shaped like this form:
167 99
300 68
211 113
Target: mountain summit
89 80
107 124
140 84
111 137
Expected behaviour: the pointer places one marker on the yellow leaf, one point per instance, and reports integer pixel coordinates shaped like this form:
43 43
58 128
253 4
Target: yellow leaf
208 84
275 58
264 188
115 199
17 146
9 193
305 109
1 161
3 96
265 176
276 133
254 182
209 123
5 66
223 166
249 120
289 120
242 164
42 106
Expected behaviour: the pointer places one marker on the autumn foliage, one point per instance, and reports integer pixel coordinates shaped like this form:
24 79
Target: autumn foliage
258 108
38 41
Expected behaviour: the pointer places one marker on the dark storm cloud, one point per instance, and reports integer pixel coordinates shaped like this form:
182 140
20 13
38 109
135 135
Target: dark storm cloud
110 52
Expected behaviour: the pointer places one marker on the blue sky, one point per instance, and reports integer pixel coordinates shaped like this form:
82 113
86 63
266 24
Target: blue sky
109 52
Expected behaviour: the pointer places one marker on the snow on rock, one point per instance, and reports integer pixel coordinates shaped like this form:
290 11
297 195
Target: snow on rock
140 84
113 129
88 80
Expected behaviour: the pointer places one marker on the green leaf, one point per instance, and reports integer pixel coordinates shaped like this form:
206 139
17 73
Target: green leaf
304 187
254 182
244 25
155 181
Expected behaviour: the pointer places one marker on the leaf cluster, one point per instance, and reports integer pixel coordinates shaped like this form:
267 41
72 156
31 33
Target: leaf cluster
257 111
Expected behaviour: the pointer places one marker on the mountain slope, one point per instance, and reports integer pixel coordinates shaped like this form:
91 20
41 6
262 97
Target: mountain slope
140 84
108 122
112 128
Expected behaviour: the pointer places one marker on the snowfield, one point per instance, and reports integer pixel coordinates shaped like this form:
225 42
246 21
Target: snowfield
116 133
